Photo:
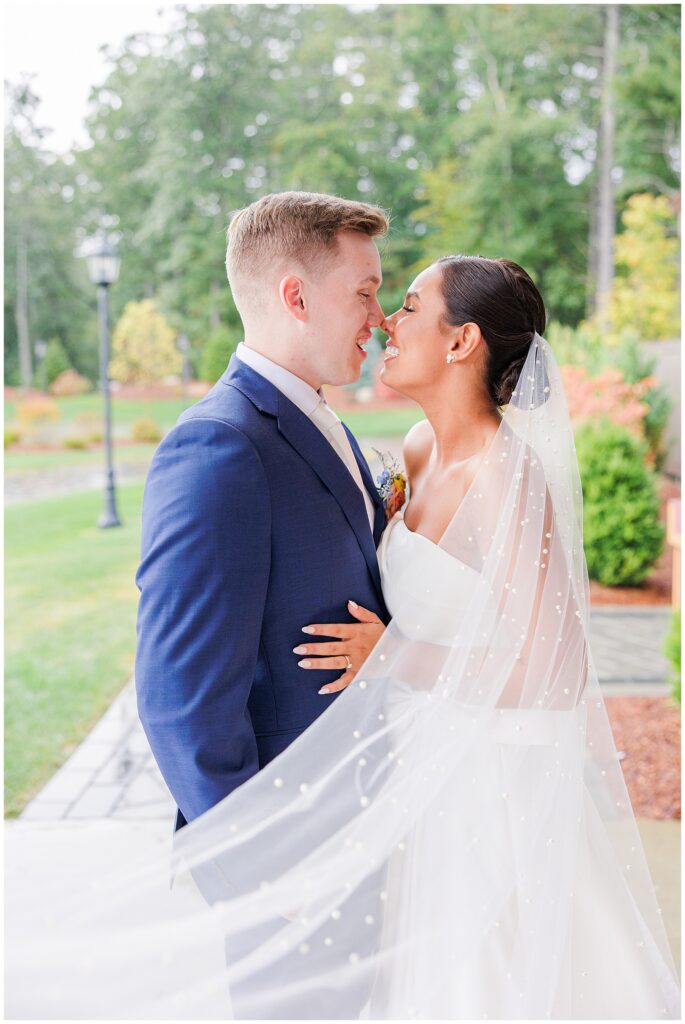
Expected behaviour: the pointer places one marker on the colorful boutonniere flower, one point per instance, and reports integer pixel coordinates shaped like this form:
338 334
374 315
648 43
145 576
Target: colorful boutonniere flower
392 485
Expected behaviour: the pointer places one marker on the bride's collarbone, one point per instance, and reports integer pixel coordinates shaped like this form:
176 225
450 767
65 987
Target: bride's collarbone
434 500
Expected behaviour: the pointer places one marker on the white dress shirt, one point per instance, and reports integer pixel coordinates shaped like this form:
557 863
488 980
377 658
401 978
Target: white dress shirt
313 404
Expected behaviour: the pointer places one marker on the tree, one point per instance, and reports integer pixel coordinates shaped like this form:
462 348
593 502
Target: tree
479 133
56 361
606 212
645 297
219 348
143 346
46 289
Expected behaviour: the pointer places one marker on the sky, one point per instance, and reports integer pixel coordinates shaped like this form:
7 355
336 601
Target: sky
59 44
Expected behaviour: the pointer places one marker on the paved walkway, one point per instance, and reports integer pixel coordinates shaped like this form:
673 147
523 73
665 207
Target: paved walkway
35 485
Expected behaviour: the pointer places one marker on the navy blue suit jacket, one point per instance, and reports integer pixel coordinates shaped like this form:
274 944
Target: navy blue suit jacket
253 527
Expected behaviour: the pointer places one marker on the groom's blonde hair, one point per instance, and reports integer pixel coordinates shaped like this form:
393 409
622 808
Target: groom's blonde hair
291 229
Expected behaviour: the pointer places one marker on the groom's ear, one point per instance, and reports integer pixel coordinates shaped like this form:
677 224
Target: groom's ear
291 293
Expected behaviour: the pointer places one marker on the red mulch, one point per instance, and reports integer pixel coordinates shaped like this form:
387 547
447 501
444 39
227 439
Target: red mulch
647 730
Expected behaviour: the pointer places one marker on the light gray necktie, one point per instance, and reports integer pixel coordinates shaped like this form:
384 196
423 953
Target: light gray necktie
332 429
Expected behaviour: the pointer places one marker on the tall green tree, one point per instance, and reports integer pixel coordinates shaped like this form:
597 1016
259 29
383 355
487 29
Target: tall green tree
46 290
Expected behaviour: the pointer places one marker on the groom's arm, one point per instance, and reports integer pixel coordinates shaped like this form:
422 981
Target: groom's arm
203 580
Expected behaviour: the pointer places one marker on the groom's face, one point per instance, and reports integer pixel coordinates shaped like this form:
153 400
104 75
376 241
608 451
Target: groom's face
343 308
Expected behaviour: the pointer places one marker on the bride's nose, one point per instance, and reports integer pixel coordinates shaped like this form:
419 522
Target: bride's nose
386 325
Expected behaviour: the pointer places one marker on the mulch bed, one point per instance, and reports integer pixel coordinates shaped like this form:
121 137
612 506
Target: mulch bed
647 731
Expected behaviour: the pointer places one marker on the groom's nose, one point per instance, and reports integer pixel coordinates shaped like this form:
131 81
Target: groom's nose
376 314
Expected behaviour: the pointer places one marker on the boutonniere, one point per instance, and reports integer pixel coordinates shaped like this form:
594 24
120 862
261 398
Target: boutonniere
392 485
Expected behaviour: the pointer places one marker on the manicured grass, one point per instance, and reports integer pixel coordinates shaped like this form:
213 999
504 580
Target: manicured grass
69 631
389 422
164 411
21 461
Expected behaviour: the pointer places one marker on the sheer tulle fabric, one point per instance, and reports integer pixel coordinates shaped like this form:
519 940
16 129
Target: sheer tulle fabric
451 839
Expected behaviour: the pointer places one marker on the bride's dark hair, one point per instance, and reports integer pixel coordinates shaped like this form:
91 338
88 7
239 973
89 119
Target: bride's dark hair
503 300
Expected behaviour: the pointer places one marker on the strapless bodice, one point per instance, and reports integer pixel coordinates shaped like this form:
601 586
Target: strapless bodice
427 590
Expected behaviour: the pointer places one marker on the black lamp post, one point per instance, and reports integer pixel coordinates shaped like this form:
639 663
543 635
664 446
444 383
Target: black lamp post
103 269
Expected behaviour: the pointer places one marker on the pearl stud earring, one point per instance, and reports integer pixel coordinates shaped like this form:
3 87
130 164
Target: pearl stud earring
450 357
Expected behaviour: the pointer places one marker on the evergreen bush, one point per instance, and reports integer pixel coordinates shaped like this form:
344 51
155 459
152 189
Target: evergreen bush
622 531
146 430
672 646
220 346
56 362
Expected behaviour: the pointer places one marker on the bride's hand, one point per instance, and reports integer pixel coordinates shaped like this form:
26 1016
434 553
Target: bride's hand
355 642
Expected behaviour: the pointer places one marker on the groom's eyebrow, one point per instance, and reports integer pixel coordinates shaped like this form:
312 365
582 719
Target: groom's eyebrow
373 278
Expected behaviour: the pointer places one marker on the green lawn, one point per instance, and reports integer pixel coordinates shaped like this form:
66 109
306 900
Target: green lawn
390 422
164 411
70 602
22 461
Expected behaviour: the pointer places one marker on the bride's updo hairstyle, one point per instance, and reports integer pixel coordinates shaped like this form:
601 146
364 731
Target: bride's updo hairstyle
502 299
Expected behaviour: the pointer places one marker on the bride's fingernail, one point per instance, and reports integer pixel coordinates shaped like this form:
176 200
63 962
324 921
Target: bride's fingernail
324 689
304 664
300 650
308 629
353 603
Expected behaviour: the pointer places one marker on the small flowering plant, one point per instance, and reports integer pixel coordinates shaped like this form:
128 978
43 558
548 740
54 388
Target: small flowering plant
392 485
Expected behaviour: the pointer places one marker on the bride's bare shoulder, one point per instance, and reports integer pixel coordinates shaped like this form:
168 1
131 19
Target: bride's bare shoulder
417 447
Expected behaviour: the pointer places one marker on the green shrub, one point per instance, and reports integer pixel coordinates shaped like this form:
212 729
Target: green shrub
146 430
89 425
219 348
622 532
672 652
636 365
69 383
56 362
584 346
578 346
75 443
12 436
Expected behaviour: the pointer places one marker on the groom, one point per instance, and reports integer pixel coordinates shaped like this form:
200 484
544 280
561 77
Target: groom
260 514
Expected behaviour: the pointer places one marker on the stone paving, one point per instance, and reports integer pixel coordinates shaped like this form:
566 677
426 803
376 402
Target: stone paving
113 774
34 485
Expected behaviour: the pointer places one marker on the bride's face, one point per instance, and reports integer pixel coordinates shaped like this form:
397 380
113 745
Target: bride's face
418 339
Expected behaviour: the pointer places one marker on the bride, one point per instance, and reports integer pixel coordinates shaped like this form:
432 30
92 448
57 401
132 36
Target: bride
452 838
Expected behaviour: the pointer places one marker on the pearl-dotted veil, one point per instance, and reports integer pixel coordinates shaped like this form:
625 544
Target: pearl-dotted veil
425 847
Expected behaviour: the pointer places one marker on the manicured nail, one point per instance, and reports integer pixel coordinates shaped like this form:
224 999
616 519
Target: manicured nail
304 664
300 650
324 689
308 629
353 603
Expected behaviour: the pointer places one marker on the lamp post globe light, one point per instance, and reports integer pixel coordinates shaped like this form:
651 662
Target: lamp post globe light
103 269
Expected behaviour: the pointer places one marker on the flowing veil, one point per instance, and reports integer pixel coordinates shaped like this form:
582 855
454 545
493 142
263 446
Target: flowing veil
426 847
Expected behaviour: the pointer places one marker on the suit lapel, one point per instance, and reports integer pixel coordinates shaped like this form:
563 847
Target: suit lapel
379 509
310 443
308 440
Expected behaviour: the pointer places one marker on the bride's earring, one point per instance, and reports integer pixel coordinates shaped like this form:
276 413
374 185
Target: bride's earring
450 357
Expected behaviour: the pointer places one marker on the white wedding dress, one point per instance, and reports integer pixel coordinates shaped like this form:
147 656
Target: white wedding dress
452 838
608 965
